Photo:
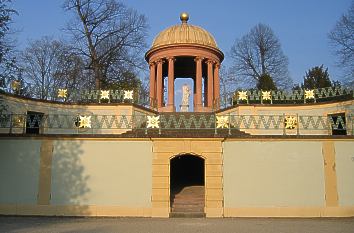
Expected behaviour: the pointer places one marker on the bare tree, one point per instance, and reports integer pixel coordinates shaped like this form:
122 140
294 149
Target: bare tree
342 40
109 35
259 53
8 65
71 73
49 64
227 82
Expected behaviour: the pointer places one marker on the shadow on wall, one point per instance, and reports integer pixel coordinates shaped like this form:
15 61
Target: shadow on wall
22 186
19 171
69 181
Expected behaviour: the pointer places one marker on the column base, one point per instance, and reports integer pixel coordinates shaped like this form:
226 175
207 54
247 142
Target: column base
170 108
184 108
202 109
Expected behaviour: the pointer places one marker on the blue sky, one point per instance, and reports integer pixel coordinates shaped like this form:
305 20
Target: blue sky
300 25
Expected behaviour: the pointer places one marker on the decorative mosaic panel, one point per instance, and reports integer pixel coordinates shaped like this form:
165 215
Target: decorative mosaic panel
187 122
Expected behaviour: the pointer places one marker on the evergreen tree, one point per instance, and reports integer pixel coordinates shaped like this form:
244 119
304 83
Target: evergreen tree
317 77
266 83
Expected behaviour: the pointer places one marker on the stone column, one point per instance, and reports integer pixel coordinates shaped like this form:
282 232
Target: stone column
210 83
171 84
205 91
152 84
198 77
163 92
159 89
216 86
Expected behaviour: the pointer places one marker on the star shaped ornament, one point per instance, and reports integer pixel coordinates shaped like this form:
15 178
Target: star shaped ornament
15 85
153 121
266 95
85 122
222 122
290 122
104 95
242 95
310 94
128 95
62 93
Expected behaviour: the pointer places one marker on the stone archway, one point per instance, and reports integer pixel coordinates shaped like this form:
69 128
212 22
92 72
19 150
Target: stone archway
210 150
187 186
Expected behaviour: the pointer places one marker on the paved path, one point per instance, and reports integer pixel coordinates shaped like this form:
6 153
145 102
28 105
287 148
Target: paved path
156 225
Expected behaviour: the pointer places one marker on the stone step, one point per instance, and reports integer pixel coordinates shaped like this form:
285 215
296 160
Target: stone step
191 204
188 210
185 201
187 204
188 201
191 196
187 215
191 192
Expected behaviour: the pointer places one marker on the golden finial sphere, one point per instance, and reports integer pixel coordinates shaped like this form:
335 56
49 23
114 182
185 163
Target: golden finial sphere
184 17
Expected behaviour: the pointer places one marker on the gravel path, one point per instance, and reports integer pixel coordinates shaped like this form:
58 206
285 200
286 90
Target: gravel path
156 225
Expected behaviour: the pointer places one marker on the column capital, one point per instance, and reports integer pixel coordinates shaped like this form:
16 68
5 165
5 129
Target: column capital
152 63
210 61
217 65
159 60
198 59
171 59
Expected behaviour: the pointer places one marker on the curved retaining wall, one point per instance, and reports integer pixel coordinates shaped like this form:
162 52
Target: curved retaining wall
254 177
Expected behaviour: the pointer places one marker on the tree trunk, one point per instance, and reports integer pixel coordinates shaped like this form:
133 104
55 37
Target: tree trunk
92 49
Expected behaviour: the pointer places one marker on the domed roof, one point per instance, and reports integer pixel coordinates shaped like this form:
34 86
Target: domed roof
184 33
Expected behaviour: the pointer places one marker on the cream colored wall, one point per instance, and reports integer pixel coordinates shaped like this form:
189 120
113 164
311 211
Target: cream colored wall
273 174
19 171
345 172
112 173
244 178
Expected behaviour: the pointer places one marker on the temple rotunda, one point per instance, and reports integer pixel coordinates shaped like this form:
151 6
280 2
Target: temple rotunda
185 51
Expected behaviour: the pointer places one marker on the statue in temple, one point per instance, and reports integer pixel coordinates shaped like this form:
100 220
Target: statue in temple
184 107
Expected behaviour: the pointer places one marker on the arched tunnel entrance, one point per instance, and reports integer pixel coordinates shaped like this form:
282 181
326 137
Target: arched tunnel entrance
187 191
